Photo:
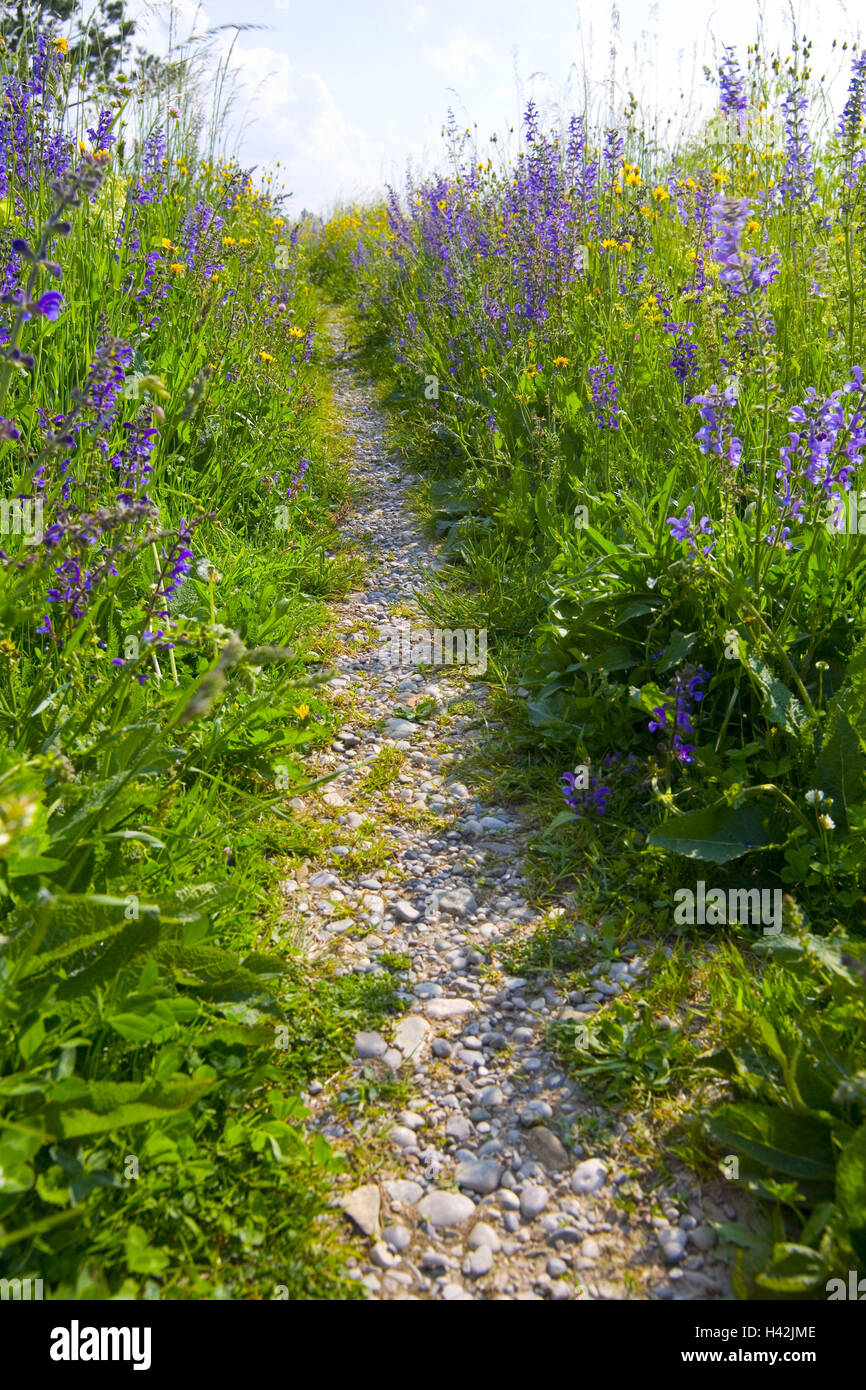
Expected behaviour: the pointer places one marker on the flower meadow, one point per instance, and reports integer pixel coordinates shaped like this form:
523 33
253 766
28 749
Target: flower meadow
170 487
634 378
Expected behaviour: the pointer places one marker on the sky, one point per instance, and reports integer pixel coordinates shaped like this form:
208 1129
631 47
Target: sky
347 94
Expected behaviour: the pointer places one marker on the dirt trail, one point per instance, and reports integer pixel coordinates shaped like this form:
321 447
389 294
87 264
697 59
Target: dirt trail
495 1180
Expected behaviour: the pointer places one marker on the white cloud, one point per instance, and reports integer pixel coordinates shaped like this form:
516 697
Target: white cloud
416 19
456 60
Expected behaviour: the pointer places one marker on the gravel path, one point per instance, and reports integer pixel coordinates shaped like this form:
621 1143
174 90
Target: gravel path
476 1187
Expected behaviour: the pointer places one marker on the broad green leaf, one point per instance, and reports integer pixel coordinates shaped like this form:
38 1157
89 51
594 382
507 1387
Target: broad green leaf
794 1269
110 1105
795 1146
715 835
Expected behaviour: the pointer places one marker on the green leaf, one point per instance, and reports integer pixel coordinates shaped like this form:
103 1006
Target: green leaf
677 649
794 1145
717 835
840 766
851 1188
108 1105
779 704
142 1258
794 1269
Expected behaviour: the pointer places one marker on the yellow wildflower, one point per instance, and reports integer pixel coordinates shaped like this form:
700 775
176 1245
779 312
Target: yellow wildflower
302 711
177 267
560 361
266 357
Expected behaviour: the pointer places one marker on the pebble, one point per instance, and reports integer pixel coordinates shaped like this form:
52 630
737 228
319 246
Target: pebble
445 1208
533 1200
402 1136
382 1256
535 1112
550 1152
411 1034
362 1205
459 902
397 1237
589 1176
479 1262
703 1237
405 912
400 728
481 1175
448 1008
482 1234
370 1045
458 1127
404 1190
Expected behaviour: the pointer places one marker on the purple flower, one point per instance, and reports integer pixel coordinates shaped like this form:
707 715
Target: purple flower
714 436
681 526
741 271
604 394
732 85
685 693
659 723
101 137
798 180
48 304
591 800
